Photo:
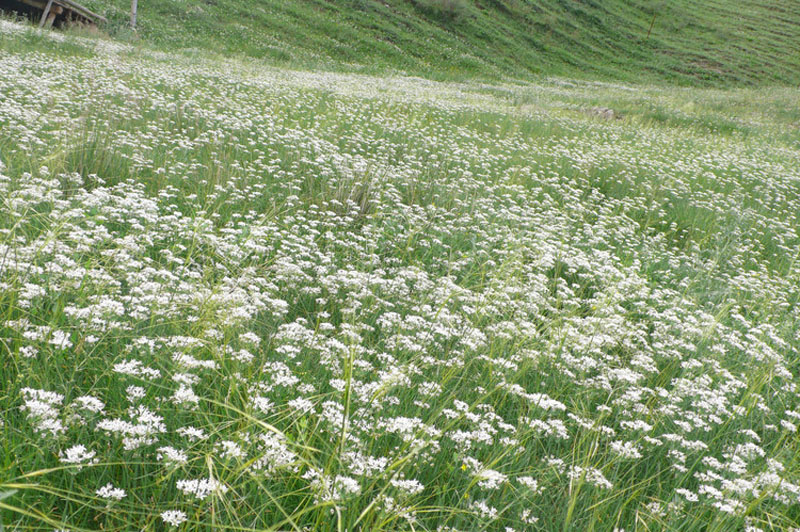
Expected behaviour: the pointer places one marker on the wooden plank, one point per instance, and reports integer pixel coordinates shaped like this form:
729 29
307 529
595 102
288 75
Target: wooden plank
41 4
46 15
91 15
50 19
35 3
58 6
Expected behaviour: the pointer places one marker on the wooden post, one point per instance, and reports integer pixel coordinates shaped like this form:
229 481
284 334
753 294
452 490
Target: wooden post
134 5
45 15
651 25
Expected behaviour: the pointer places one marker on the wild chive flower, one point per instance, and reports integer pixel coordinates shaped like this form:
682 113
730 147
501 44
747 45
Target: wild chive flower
79 456
110 492
174 517
201 488
426 288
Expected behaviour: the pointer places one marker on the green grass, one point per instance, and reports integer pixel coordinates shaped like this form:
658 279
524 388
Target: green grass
692 42
379 235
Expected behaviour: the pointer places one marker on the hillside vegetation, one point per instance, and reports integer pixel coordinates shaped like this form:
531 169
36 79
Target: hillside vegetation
236 297
691 42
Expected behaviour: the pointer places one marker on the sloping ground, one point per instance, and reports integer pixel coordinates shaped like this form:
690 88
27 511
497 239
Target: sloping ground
239 298
692 41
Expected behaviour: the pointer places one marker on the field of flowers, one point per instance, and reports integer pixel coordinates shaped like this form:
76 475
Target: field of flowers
242 298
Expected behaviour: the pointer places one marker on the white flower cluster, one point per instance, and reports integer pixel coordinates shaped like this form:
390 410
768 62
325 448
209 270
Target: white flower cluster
110 492
201 488
377 295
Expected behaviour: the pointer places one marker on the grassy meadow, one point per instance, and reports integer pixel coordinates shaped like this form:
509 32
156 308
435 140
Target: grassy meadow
241 297
685 42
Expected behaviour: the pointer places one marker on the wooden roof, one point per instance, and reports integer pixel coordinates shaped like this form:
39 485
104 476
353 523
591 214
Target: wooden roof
68 9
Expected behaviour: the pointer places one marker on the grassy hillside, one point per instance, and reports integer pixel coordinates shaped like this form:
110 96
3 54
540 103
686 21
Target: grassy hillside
691 42
244 298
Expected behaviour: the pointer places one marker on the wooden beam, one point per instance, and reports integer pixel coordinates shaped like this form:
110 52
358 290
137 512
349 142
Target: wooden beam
50 19
82 10
46 15
58 6
34 3
41 4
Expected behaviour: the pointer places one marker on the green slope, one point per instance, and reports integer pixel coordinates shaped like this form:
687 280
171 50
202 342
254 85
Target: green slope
709 42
